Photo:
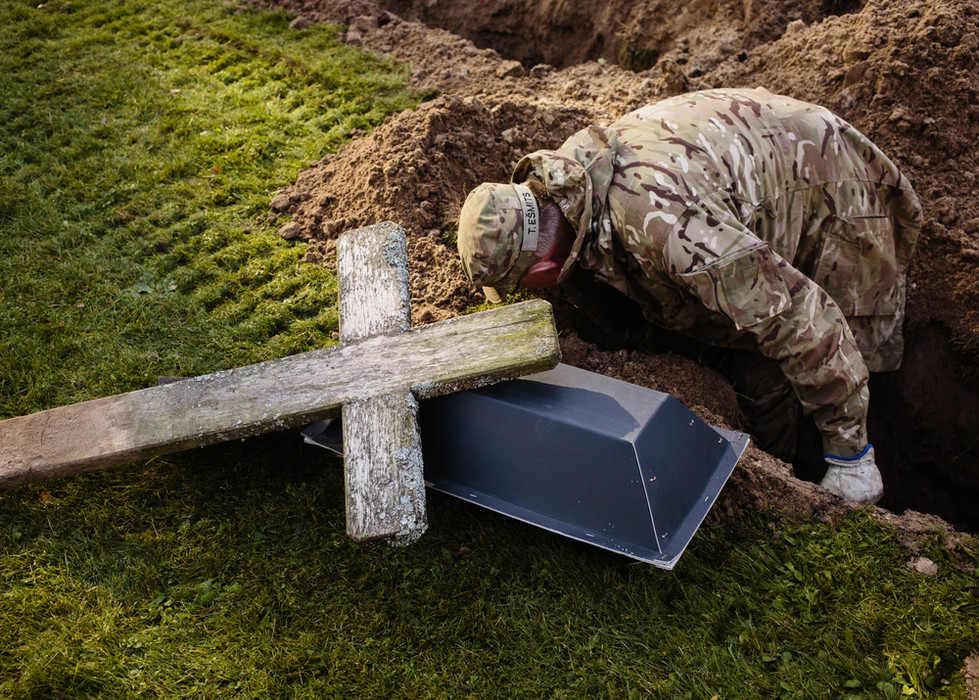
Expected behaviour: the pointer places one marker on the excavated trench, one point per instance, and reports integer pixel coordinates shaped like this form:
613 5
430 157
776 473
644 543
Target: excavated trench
924 421
874 62
563 33
925 417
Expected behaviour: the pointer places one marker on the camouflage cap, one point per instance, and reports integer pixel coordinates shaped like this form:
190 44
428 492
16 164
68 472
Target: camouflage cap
498 230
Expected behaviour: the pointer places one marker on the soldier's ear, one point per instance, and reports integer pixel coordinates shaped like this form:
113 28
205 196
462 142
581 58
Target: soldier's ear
556 234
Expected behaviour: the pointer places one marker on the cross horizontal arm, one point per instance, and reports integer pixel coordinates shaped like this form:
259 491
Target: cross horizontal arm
439 358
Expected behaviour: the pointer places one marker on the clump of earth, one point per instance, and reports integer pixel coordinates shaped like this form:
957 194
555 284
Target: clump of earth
514 76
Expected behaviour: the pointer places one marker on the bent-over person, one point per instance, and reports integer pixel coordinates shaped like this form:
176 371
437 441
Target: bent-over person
739 218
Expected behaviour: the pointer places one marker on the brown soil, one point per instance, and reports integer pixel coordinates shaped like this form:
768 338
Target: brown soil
516 75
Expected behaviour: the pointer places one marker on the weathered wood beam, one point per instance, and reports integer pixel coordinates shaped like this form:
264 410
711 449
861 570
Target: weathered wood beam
431 360
383 473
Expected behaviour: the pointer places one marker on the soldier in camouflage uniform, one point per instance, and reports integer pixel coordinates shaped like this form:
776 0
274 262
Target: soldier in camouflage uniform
736 217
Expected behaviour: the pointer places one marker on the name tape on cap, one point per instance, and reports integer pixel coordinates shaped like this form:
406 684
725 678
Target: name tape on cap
531 217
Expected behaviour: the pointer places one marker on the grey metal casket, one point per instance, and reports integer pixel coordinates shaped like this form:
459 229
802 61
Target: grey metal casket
599 460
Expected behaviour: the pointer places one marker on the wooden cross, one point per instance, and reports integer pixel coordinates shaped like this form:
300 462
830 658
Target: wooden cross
375 376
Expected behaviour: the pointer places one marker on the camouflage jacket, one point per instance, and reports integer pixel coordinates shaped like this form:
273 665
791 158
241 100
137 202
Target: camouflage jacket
749 220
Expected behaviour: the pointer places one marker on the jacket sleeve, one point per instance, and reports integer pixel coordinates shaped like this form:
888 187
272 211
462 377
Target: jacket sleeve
792 320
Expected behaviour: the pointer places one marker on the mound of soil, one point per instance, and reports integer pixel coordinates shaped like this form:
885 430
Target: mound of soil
515 76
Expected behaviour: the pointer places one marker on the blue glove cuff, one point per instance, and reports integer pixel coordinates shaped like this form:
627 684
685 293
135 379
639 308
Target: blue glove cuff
860 456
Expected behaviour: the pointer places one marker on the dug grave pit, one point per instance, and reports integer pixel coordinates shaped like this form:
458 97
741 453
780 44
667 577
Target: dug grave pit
696 33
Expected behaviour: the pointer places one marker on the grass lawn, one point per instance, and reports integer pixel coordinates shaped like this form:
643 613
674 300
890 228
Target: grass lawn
140 143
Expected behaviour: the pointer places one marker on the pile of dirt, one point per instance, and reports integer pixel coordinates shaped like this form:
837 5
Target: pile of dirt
416 169
514 77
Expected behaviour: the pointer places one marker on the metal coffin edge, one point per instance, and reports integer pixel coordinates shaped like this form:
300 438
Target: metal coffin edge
596 459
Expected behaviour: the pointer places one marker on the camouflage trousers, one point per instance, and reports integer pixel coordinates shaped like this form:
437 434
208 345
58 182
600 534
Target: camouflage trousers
772 413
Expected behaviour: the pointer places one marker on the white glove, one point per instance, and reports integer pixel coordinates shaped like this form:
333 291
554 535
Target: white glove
855 479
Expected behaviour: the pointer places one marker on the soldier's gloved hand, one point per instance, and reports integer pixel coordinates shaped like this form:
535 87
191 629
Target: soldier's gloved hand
855 479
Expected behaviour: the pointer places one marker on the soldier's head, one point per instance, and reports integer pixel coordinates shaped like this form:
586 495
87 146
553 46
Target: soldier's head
512 234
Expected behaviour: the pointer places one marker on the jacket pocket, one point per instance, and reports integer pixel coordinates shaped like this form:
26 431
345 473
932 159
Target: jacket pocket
857 266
